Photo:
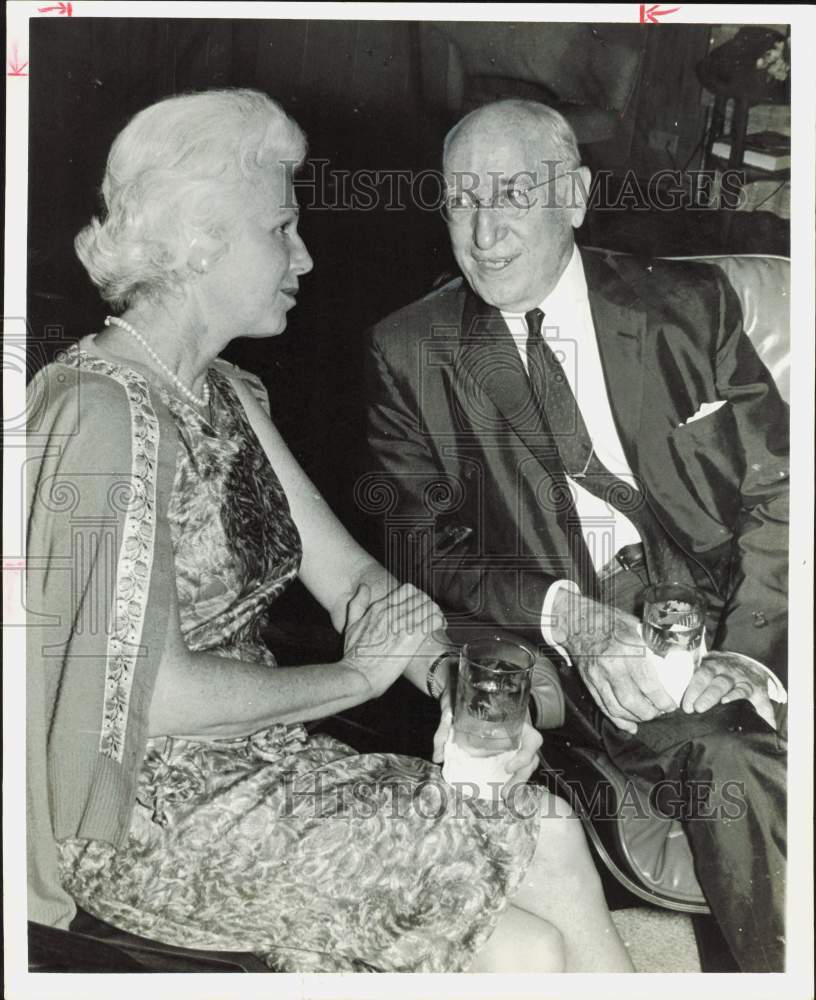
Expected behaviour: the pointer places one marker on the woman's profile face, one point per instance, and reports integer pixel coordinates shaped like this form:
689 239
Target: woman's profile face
254 284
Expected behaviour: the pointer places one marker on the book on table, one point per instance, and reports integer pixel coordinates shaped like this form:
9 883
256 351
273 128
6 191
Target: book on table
766 150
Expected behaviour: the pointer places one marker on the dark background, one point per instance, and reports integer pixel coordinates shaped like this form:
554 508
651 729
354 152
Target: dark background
351 86
357 89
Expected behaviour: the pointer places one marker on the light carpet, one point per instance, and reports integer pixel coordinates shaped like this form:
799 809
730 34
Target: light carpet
658 940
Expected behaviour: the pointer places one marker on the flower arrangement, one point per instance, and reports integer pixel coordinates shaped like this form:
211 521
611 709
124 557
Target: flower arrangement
776 60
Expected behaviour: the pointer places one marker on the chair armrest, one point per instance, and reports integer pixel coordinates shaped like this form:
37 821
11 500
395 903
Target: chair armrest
547 704
93 945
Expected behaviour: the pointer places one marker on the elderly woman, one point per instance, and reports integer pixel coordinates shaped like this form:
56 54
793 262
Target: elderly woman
173 789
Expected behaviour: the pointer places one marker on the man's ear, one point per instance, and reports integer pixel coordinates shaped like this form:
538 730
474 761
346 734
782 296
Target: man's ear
581 178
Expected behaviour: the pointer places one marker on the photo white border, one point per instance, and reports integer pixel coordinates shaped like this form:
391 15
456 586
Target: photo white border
798 981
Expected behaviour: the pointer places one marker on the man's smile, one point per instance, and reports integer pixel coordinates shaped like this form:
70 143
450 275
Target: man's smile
494 263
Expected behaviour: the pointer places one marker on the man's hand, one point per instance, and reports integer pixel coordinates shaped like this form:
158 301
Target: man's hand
610 655
723 677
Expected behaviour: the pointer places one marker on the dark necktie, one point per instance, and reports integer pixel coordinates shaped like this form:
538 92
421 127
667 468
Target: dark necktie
560 411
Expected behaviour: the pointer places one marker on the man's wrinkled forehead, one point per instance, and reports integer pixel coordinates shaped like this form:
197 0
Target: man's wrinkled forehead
494 155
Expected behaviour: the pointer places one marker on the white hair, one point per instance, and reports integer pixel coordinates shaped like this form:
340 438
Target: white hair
177 173
538 120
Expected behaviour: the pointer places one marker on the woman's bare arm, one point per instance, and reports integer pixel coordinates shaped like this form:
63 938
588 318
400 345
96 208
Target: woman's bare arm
201 694
334 565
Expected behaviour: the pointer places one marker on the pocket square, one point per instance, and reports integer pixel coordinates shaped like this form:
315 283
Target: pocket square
705 410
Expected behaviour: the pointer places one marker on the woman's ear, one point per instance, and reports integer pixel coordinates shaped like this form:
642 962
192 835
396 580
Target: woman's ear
204 253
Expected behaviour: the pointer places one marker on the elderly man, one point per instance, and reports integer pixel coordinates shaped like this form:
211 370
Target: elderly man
561 428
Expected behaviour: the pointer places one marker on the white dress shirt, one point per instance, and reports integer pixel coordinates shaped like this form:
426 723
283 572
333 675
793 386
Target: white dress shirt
570 333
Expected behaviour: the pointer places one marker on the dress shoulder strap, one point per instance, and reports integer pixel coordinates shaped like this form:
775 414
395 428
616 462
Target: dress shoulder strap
249 379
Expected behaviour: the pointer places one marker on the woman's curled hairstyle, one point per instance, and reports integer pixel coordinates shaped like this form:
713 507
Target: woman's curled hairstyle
176 173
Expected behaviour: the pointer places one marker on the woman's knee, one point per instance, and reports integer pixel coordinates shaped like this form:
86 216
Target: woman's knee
560 829
522 942
555 807
562 853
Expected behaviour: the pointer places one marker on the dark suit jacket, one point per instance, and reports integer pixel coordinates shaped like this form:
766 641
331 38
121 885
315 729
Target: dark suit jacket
465 478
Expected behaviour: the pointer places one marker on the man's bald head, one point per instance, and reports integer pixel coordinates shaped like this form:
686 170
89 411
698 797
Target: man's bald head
545 130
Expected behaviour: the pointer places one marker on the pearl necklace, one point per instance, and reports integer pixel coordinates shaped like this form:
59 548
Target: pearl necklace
200 401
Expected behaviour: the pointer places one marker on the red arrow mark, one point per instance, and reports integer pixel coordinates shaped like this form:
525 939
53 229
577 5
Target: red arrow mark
61 8
651 14
17 68
12 585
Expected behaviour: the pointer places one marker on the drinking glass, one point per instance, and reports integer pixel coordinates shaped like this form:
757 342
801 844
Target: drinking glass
674 620
492 691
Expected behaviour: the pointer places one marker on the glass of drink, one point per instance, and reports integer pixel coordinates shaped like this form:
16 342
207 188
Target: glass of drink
492 691
674 620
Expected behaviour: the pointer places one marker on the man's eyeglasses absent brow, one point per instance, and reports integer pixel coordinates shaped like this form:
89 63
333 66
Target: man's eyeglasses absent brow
514 202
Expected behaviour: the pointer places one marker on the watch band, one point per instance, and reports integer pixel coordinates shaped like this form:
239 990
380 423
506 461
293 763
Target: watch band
431 680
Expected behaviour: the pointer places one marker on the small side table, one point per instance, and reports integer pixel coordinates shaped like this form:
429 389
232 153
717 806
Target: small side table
737 137
730 72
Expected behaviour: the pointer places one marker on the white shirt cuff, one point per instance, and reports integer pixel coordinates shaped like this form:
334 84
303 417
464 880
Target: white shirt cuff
547 616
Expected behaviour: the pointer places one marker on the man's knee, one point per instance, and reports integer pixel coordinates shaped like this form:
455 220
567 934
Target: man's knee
728 750
727 729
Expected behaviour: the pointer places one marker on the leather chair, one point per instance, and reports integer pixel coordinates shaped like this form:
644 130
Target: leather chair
92 945
588 72
762 285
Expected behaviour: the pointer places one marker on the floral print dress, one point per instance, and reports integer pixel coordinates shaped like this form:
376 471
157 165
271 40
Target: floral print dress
291 846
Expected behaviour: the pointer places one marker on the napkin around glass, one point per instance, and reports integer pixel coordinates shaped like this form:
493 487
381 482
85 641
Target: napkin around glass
487 773
675 669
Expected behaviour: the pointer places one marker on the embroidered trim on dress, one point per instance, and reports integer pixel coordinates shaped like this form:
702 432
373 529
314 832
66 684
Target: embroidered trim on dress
135 561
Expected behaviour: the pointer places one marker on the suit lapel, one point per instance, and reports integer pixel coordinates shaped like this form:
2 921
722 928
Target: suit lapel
488 368
620 326
489 376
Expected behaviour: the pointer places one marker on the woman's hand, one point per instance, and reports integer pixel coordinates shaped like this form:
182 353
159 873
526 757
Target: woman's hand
443 729
383 636
519 767
525 761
